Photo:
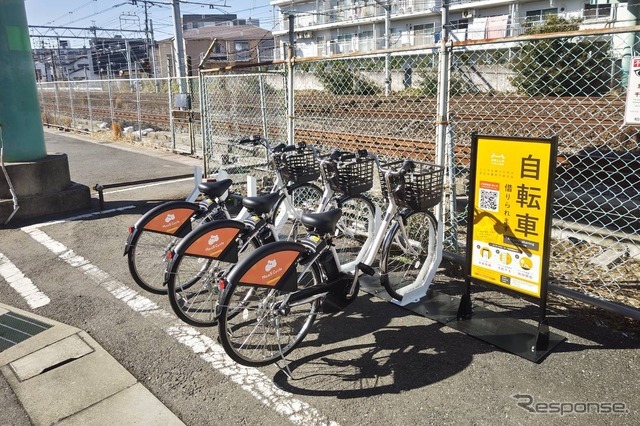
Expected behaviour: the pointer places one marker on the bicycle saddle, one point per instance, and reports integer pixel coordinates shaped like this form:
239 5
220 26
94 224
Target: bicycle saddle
324 223
261 204
215 189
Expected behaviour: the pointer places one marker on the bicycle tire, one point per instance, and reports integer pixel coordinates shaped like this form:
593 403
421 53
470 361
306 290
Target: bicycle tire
147 249
253 334
356 226
193 280
304 197
401 260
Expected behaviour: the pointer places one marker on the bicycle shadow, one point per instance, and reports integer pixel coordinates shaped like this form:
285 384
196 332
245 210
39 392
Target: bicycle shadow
398 360
361 352
385 359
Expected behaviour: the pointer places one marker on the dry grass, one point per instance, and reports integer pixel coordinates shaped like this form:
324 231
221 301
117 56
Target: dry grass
116 130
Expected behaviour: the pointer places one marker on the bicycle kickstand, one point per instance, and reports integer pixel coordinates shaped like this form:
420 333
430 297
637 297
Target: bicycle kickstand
286 370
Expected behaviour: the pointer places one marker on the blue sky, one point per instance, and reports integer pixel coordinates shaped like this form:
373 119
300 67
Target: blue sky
113 14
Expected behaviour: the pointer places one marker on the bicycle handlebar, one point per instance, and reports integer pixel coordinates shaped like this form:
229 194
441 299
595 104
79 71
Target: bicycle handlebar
344 156
253 139
408 166
278 148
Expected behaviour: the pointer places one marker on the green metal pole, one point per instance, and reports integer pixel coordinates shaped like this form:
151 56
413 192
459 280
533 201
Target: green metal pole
22 133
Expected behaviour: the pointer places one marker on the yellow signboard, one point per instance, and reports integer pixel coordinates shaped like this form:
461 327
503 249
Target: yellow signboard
510 212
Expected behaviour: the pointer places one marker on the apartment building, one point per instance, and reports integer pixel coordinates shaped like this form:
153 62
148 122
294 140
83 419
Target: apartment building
235 44
329 27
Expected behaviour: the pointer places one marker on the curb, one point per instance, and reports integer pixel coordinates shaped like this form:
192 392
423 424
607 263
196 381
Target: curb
60 375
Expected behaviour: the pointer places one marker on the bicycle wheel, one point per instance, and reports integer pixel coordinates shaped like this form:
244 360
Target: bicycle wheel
256 329
402 255
193 284
355 228
303 198
148 245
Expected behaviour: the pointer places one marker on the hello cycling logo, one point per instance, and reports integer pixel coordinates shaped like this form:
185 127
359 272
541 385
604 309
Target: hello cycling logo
497 159
528 403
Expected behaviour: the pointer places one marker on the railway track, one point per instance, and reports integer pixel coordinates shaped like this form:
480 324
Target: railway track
399 124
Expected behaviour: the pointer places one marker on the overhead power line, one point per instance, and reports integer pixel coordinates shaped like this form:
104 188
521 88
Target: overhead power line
44 31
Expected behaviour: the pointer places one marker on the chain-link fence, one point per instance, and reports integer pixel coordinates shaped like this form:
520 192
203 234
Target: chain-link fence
536 85
151 111
539 85
238 106
573 87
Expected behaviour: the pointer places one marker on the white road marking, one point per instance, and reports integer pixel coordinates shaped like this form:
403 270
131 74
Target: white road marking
21 284
249 379
82 216
135 188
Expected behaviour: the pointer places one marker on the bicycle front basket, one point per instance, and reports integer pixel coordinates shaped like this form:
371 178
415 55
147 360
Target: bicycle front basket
350 178
298 166
419 190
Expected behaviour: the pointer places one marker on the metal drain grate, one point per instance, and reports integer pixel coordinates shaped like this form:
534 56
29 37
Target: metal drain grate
16 328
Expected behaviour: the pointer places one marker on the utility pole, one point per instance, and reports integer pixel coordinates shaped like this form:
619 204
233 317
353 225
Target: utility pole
21 134
290 98
387 44
177 26
128 48
153 52
146 25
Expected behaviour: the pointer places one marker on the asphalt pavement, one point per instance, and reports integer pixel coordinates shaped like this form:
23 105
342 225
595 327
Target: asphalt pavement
53 373
98 350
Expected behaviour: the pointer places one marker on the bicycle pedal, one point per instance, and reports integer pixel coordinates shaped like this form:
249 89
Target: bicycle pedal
366 269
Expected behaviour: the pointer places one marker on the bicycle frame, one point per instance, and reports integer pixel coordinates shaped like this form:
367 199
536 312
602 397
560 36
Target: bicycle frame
411 293
328 195
418 289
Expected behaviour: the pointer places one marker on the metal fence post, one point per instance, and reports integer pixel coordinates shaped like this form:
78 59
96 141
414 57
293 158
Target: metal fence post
42 103
171 123
290 97
263 102
387 56
442 117
111 111
451 233
73 114
55 88
202 111
192 137
89 101
137 86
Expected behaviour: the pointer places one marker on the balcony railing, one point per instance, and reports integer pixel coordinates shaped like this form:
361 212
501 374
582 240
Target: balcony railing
357 12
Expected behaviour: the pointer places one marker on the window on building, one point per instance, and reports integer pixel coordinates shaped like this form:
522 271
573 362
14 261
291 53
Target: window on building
596 11
538 16
344 43
321 46
241 49
459 29
423 33
219 53
366 41
460 24
396 36
345 9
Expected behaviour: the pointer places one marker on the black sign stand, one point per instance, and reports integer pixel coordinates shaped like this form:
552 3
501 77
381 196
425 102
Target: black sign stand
532 342
517 337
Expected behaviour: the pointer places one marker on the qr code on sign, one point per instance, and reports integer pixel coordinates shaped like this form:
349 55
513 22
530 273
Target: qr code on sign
489 200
